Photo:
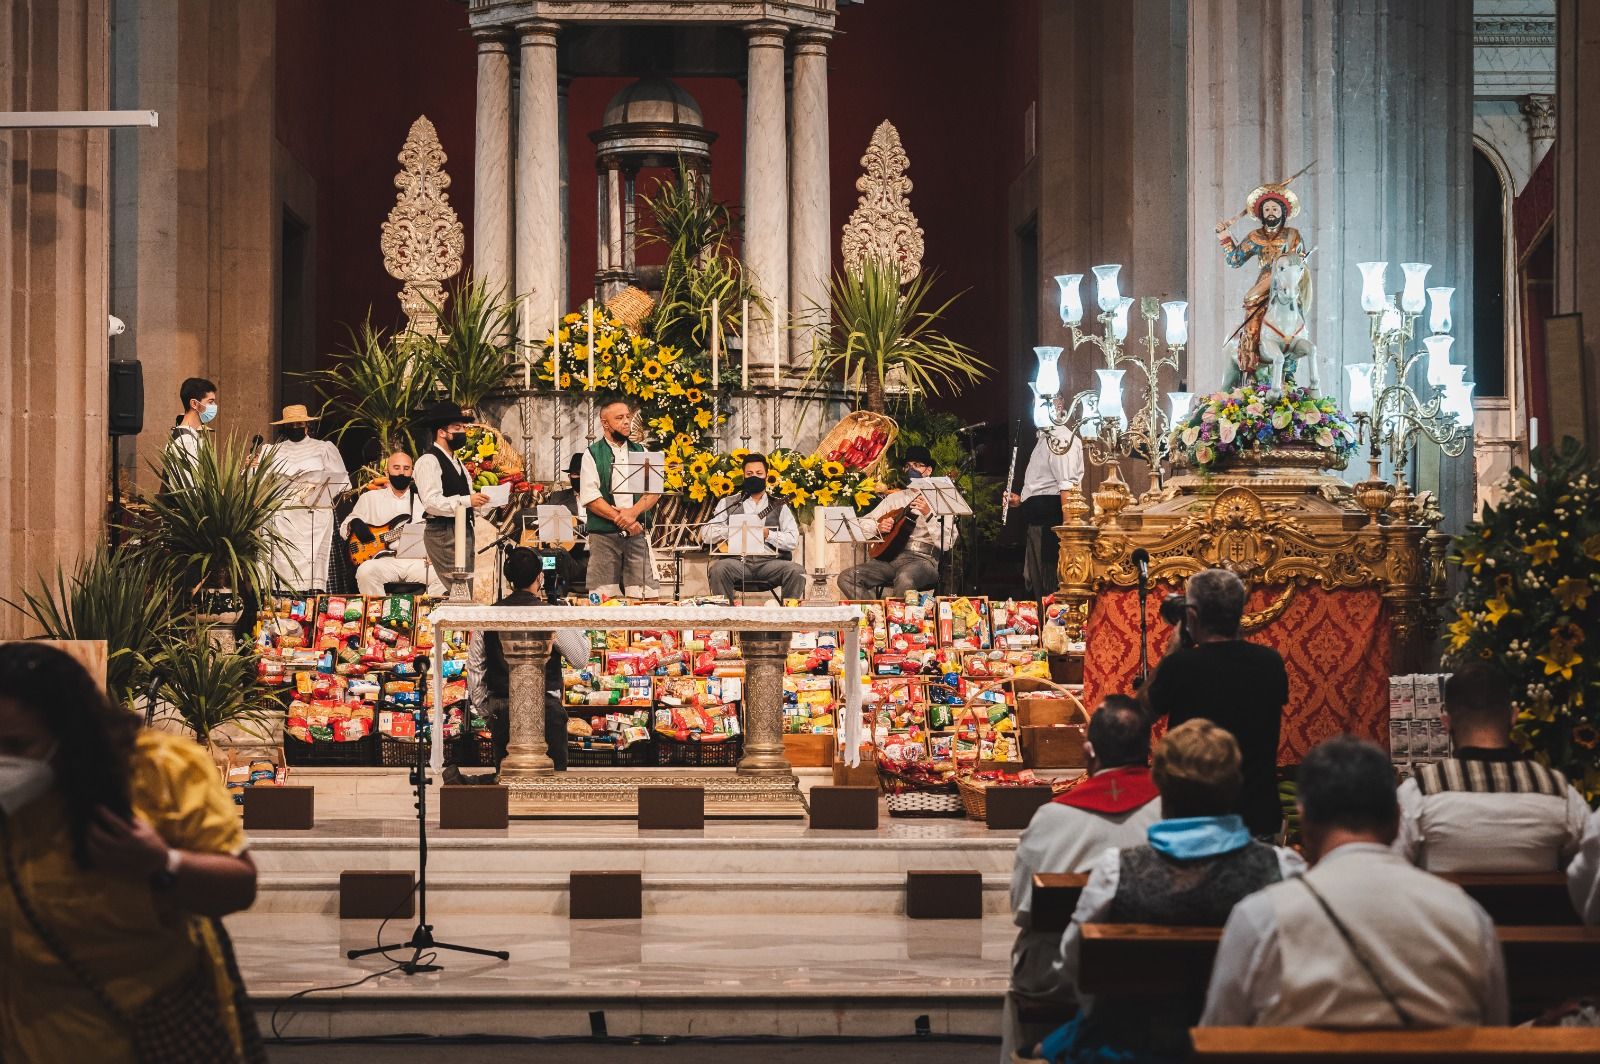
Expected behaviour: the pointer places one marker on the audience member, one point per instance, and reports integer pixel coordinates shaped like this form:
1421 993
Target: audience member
1583 874
1363 939
1199 861
1211 674
1487 808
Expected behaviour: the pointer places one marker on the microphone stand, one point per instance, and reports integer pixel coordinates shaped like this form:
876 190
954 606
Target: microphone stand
1144 625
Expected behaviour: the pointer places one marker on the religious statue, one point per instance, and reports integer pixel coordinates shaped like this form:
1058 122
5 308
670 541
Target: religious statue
1271 346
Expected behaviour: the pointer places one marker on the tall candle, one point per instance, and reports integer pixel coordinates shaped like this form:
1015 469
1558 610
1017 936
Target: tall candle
591 345
527 349
744 346
716 329
777 345
555 345
461 537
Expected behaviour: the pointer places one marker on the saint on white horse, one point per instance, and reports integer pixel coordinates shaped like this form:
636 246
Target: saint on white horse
1288 358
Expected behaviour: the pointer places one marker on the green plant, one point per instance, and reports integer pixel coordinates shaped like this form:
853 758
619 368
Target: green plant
701 271
936 430
879 329
472 354
115 595
212 525
207 687
1531 603
374 384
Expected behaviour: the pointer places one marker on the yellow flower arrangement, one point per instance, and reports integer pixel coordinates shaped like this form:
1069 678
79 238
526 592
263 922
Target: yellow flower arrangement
797 477
652 369
721 485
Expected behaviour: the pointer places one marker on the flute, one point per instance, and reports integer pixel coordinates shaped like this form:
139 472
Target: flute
1011 474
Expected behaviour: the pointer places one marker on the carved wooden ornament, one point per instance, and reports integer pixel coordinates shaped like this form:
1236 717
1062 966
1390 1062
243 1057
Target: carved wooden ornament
422 241
882 226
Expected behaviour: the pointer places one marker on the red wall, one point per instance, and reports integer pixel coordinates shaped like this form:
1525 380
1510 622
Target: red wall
351 79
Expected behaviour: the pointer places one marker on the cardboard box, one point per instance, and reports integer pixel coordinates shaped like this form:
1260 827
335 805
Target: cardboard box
863 775
809 751
1053 746
1036 711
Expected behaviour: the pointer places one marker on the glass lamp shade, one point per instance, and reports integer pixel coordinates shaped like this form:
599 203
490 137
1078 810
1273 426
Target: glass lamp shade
1439 309
1071 297
1458 401
1119 318
1180 402
1360 375
1391 320
1109 404
1439 359
1041 409
1048 380
1107 293
1373 296
1412 299
1177 324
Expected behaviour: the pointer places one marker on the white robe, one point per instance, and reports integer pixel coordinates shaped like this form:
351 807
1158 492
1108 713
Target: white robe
306 525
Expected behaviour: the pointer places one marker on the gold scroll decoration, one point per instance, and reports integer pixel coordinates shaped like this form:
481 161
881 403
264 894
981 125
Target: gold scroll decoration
882 226
422 240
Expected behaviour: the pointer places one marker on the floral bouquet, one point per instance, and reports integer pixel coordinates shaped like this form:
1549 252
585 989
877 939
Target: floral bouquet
1225 424
1531 600
486 465
806 480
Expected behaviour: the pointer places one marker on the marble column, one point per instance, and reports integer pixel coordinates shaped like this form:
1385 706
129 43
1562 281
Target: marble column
538 180
763 704
491 208
766 186
1577 215
564 274
54 278
809 219
527 754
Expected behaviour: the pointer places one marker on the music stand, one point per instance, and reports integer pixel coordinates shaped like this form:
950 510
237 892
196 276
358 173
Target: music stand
643 473
556 526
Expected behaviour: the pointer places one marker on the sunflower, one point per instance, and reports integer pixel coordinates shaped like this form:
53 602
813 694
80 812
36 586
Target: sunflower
566 381
694 396
772 480
699 467
738 455
833 470
720 485
697 492
652 369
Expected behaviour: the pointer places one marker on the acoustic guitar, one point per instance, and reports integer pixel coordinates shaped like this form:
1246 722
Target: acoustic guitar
367 542
899 534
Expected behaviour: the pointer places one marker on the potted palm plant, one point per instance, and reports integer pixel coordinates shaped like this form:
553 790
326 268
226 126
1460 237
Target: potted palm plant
471 355
211 691
701 271
374 384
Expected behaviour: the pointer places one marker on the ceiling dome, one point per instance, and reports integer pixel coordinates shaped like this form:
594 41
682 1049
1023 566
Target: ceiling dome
656 101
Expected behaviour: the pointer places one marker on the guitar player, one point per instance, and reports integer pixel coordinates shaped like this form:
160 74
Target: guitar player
912 563
379 508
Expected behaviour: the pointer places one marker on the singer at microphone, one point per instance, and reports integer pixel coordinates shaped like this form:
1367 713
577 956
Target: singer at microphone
316 472
733 571
1054 468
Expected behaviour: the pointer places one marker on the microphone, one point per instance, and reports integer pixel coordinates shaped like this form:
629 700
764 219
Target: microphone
1141 558
255 443
974 427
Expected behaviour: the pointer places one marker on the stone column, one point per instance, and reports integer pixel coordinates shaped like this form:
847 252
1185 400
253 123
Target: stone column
1539 108
763 704
527 754
1577 215
766 183
491 208
54 276
564 275
809 220
538 169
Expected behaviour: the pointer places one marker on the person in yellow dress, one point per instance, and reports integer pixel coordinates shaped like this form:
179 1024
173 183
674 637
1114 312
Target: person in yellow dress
121 850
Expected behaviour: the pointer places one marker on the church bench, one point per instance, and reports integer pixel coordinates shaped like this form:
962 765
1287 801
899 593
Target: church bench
1521 899
1480 1045
1055 895
1542 963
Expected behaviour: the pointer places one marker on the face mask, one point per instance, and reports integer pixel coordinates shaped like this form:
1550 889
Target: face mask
208 413
294 435
22 779
754 485
458 440
399 481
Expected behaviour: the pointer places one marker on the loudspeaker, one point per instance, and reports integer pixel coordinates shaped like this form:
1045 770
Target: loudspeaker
127 398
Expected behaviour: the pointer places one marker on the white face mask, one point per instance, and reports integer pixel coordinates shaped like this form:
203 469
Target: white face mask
22 779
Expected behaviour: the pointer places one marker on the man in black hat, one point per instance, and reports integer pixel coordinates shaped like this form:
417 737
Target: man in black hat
442 483
568 496
918 540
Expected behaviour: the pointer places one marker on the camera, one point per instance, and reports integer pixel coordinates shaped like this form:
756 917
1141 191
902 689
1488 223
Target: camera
1175 611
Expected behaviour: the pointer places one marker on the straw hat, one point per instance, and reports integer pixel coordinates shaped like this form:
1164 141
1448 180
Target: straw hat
294 415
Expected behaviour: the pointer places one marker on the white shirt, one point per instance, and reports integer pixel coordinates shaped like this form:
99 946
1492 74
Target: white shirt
315 467
429 479
1583 874
1463 831
1282 963
186 440
785 537
380 506
1050 473
572 642
930 535
589 478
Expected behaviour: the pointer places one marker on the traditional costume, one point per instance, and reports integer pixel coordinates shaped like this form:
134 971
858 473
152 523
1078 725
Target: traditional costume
305 525
443 485
1267 245
1048 475
729 574
619 564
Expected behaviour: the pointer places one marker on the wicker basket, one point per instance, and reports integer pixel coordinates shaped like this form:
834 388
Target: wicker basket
861 423
973 797
924 804
506 458
631 306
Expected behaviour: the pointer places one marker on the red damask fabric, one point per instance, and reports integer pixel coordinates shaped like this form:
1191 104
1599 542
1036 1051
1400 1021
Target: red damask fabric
1335 645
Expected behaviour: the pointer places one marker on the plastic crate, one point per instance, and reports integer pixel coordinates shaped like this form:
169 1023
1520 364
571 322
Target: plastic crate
473 751
356 753
402 753
607 755
699 755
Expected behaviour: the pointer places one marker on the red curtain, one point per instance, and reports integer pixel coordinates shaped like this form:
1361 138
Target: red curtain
1335 645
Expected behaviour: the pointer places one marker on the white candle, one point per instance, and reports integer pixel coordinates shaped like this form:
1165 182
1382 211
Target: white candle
744 346
591 345
555 345
777 345
716 329
461 537
527 349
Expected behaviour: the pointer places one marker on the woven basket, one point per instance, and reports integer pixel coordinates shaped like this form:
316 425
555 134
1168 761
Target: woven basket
631 306
861 423
506 458
924 803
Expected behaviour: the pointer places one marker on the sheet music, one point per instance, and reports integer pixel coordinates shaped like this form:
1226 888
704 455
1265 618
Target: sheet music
409 543
747 536
557 526
643 473
840 525
944 498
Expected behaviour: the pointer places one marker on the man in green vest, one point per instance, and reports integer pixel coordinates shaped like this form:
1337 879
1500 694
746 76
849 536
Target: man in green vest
618 522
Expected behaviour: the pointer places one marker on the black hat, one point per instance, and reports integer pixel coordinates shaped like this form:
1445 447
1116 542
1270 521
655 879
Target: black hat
575 464
441 412
918 454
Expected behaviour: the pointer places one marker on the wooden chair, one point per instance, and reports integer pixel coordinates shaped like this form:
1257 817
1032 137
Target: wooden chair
1055 896
1475 1045
1521 900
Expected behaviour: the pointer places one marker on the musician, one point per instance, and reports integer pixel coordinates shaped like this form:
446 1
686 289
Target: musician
199 399
1049 477
574 562
568 496
316 471
779 531
915 565
618 524
382 507
443 484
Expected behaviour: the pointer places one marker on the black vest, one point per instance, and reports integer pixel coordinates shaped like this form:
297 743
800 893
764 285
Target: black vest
451 480
496 674
771 516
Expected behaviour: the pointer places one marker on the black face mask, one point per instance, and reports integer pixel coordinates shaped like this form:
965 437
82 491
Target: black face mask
754 485
399 481
457 440
294 435
574 482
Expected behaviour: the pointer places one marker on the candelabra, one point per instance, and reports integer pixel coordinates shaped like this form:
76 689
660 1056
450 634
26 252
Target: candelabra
1097 417
1388 412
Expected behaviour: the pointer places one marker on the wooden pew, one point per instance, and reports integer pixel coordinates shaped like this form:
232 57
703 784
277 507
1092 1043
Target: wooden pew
1055 895
1542 963
1476 1045
1521 900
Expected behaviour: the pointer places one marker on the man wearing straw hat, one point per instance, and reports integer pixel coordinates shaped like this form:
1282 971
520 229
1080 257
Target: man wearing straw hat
317 472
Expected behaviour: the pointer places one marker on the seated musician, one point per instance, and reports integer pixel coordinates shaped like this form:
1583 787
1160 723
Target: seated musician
1583 874
779 531
379 509
916 541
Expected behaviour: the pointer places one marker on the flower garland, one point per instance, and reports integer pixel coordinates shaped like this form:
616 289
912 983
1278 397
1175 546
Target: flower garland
1226 423
670 386
806 480
1531 600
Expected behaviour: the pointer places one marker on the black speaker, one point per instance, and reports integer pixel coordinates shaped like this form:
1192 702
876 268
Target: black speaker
127 398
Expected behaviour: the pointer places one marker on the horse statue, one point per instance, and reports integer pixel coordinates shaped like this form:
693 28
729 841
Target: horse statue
1285 347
